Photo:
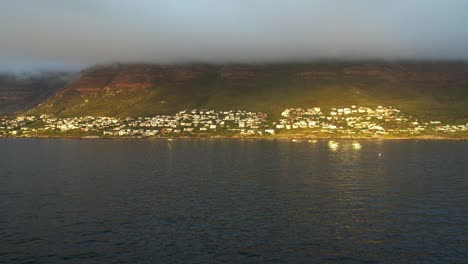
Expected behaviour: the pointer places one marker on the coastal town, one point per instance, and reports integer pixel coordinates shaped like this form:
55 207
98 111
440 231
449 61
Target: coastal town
355 120
352 121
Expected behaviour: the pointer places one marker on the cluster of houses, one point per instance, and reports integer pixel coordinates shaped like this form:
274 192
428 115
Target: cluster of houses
15 126
182 123
353 120
358 120
193 122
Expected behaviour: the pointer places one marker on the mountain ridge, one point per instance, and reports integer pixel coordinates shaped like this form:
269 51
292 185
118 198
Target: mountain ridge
19 92
425 89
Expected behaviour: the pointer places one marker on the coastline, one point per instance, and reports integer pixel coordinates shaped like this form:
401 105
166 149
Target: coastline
276 137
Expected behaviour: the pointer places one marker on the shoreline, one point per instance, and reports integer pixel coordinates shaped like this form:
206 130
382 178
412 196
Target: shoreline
281 138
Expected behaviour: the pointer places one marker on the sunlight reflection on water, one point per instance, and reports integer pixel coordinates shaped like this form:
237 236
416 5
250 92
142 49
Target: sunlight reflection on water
333 145
357 146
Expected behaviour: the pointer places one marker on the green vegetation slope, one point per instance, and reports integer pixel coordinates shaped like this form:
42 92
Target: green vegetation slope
428 90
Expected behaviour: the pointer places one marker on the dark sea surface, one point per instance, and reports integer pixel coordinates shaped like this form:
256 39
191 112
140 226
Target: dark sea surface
234 201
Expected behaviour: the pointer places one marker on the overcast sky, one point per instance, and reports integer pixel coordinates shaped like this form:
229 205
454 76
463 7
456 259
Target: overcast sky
71 34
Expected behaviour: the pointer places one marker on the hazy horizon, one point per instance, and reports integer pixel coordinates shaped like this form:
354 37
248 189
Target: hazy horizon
58 35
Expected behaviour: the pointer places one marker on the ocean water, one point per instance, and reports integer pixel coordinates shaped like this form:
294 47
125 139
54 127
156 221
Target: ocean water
233 201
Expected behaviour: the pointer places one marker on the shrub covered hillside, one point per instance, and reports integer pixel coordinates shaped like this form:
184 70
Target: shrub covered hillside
428 90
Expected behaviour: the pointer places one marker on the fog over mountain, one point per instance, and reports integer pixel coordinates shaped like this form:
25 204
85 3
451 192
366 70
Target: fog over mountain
56 34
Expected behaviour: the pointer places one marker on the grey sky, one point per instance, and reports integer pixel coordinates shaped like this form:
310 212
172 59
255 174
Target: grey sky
68 33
